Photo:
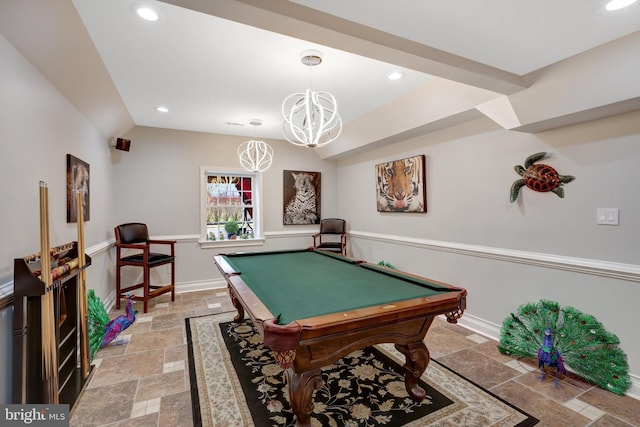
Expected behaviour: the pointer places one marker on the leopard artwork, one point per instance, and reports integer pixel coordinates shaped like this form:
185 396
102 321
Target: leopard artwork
302 208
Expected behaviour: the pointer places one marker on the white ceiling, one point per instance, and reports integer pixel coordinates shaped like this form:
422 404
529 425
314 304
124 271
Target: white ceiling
216 64
519 36
211 71
215 74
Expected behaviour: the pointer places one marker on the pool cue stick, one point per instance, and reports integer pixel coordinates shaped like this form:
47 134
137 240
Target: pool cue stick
48 333
46 279
82 294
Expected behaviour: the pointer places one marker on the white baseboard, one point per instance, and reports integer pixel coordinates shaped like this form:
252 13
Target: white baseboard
200 285
181 288
480 326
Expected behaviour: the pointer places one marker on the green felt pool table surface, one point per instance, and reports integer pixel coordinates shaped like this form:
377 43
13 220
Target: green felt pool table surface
302 284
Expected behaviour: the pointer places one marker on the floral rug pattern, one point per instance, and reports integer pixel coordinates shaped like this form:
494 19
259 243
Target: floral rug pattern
236 382
361 389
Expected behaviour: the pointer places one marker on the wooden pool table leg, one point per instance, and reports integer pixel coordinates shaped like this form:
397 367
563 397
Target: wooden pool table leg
301 388
237 305
417 359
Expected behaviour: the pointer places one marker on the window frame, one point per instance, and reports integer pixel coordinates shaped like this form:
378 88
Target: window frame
256 202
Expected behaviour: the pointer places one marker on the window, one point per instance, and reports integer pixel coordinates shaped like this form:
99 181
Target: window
230 209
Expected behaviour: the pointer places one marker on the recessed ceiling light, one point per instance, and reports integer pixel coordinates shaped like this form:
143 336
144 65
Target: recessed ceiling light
147 14
619 4
396 75
145 11
162 109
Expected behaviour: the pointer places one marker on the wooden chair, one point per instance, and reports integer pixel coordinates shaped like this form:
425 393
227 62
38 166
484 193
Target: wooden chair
332 236
135 236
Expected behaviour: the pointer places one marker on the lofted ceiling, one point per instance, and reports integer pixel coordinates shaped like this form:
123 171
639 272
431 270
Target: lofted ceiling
218 64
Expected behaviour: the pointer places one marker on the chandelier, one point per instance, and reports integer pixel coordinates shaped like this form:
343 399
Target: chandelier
311 118
255 155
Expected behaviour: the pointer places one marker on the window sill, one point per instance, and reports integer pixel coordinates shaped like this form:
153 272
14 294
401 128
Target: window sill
207 244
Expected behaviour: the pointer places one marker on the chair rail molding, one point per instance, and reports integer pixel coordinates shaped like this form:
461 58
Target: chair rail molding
609 269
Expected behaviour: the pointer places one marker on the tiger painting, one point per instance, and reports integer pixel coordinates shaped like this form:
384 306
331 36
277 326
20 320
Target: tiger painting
302 208
400 185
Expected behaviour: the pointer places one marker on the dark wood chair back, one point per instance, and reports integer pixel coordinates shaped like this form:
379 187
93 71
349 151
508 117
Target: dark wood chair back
133 232
332 235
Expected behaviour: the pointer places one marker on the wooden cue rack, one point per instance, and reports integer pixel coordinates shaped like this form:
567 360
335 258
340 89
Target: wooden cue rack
49 330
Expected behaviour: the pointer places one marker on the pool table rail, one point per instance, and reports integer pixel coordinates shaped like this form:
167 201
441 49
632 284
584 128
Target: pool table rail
304 345
321 340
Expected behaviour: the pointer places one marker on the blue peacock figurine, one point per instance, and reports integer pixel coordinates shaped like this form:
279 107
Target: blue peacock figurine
119 324
102 331
549 356
565 336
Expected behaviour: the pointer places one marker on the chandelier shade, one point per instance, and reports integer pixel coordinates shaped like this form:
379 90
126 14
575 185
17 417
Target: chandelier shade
255 156
311 118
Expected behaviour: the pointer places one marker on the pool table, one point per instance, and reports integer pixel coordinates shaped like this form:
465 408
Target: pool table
314 307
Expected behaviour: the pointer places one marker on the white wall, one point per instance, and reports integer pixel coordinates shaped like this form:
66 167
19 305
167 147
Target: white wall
508 254
158 182
38 127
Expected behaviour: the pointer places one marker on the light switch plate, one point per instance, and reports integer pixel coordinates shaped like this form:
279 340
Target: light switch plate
607 216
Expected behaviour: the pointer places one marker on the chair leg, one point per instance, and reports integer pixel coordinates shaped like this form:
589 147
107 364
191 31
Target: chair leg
118 287
173 281
146 290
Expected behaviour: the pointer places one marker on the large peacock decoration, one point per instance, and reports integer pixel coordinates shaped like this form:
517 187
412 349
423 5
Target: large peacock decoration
97 318
102 330
565 336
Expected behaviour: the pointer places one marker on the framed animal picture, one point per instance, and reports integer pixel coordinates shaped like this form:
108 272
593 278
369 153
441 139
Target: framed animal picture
401 185
301 192
77 180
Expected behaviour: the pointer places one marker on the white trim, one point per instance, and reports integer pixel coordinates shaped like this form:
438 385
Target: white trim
278 234
209 244
6 289
200 285
100 247
480 326
634 390
179 238
285 234
109 302
608 269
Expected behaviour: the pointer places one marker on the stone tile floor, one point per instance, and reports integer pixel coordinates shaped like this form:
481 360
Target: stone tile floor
144 380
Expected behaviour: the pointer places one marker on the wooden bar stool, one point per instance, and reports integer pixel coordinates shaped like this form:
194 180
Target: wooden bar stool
135 236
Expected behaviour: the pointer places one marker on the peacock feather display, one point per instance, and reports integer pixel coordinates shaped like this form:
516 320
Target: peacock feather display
387 264
97 318
102 331
566 336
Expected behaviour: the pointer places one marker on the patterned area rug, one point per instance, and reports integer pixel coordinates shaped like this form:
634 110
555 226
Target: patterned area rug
236 382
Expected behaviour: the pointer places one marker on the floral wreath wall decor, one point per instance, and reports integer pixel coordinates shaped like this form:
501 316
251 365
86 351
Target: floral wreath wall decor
539 177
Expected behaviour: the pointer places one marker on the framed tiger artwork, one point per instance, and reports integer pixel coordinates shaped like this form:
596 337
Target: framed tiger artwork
301 197
401 185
